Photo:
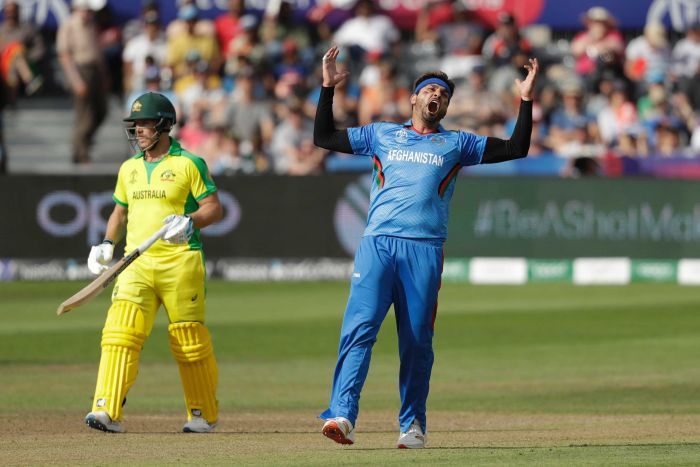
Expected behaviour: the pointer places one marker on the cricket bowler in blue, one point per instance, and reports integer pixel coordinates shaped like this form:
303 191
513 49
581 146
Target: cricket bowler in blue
400 257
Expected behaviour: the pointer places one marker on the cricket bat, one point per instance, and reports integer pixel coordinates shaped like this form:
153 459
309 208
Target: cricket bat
94 288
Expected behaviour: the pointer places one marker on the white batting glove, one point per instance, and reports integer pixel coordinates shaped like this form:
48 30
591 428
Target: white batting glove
180 229
100 256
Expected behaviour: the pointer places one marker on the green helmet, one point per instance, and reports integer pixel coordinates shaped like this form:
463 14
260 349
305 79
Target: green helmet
153 106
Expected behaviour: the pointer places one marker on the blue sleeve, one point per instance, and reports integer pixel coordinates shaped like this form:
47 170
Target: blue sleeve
471 148
362 139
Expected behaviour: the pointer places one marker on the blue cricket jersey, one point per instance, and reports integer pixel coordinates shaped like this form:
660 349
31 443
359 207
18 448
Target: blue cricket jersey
413 176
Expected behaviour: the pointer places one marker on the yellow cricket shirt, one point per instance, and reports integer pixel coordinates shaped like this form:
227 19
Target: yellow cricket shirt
153 190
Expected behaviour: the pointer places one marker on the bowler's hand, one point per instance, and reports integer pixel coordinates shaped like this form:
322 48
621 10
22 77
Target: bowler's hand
331 76
100 256
180 229
527 85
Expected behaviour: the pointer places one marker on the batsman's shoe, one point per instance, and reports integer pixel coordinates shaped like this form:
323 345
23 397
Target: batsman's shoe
413 438
198 425
102 421
340 430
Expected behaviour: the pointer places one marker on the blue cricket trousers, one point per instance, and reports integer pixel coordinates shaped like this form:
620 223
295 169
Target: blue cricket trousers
405 272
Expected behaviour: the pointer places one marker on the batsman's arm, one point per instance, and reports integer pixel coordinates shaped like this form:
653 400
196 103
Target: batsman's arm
116 225
209 211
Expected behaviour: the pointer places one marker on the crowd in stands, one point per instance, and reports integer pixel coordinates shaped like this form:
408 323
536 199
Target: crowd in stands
246 85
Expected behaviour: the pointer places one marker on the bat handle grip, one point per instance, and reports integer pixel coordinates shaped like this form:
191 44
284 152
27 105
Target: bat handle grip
152 239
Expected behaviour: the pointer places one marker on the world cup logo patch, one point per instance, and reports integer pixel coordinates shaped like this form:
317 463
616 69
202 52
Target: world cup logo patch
401 136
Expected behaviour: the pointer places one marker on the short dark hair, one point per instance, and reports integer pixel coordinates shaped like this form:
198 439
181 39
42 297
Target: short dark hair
434 74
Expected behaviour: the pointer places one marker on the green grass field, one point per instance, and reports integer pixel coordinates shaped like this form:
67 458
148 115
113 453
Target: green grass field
537 374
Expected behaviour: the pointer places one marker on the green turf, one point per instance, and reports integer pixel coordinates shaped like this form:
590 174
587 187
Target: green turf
536 349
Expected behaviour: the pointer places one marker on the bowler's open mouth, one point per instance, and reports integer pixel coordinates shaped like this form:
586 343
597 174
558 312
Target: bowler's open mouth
433 106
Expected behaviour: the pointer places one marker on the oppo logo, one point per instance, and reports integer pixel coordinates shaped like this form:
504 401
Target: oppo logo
86 213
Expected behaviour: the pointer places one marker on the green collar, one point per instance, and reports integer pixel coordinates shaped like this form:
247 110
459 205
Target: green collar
174 150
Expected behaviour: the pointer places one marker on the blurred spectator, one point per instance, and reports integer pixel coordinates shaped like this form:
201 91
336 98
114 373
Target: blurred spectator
181 42
110 37
137 26
221 150
201 89
21 52
647 55
287 139
431 16
460 43
686 53
386 100
667 140
601 46
250 119
571 119
655 103
150 43
505 42
367 30
228 25
202 27
279 26
473 105
246 48
193 132
618 115
307 158
81 59
290 72
632 142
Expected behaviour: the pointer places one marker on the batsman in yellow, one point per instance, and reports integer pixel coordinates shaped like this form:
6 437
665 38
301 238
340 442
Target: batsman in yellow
162 183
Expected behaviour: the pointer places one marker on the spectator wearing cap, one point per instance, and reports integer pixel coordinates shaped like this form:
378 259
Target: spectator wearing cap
228 24
81 59
179 44
647 55
150 43
505 41
600 45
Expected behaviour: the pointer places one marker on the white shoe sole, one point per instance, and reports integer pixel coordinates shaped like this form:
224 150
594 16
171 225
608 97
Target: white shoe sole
94 423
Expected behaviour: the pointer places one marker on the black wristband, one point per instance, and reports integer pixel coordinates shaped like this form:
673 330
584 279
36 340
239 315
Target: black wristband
108 241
